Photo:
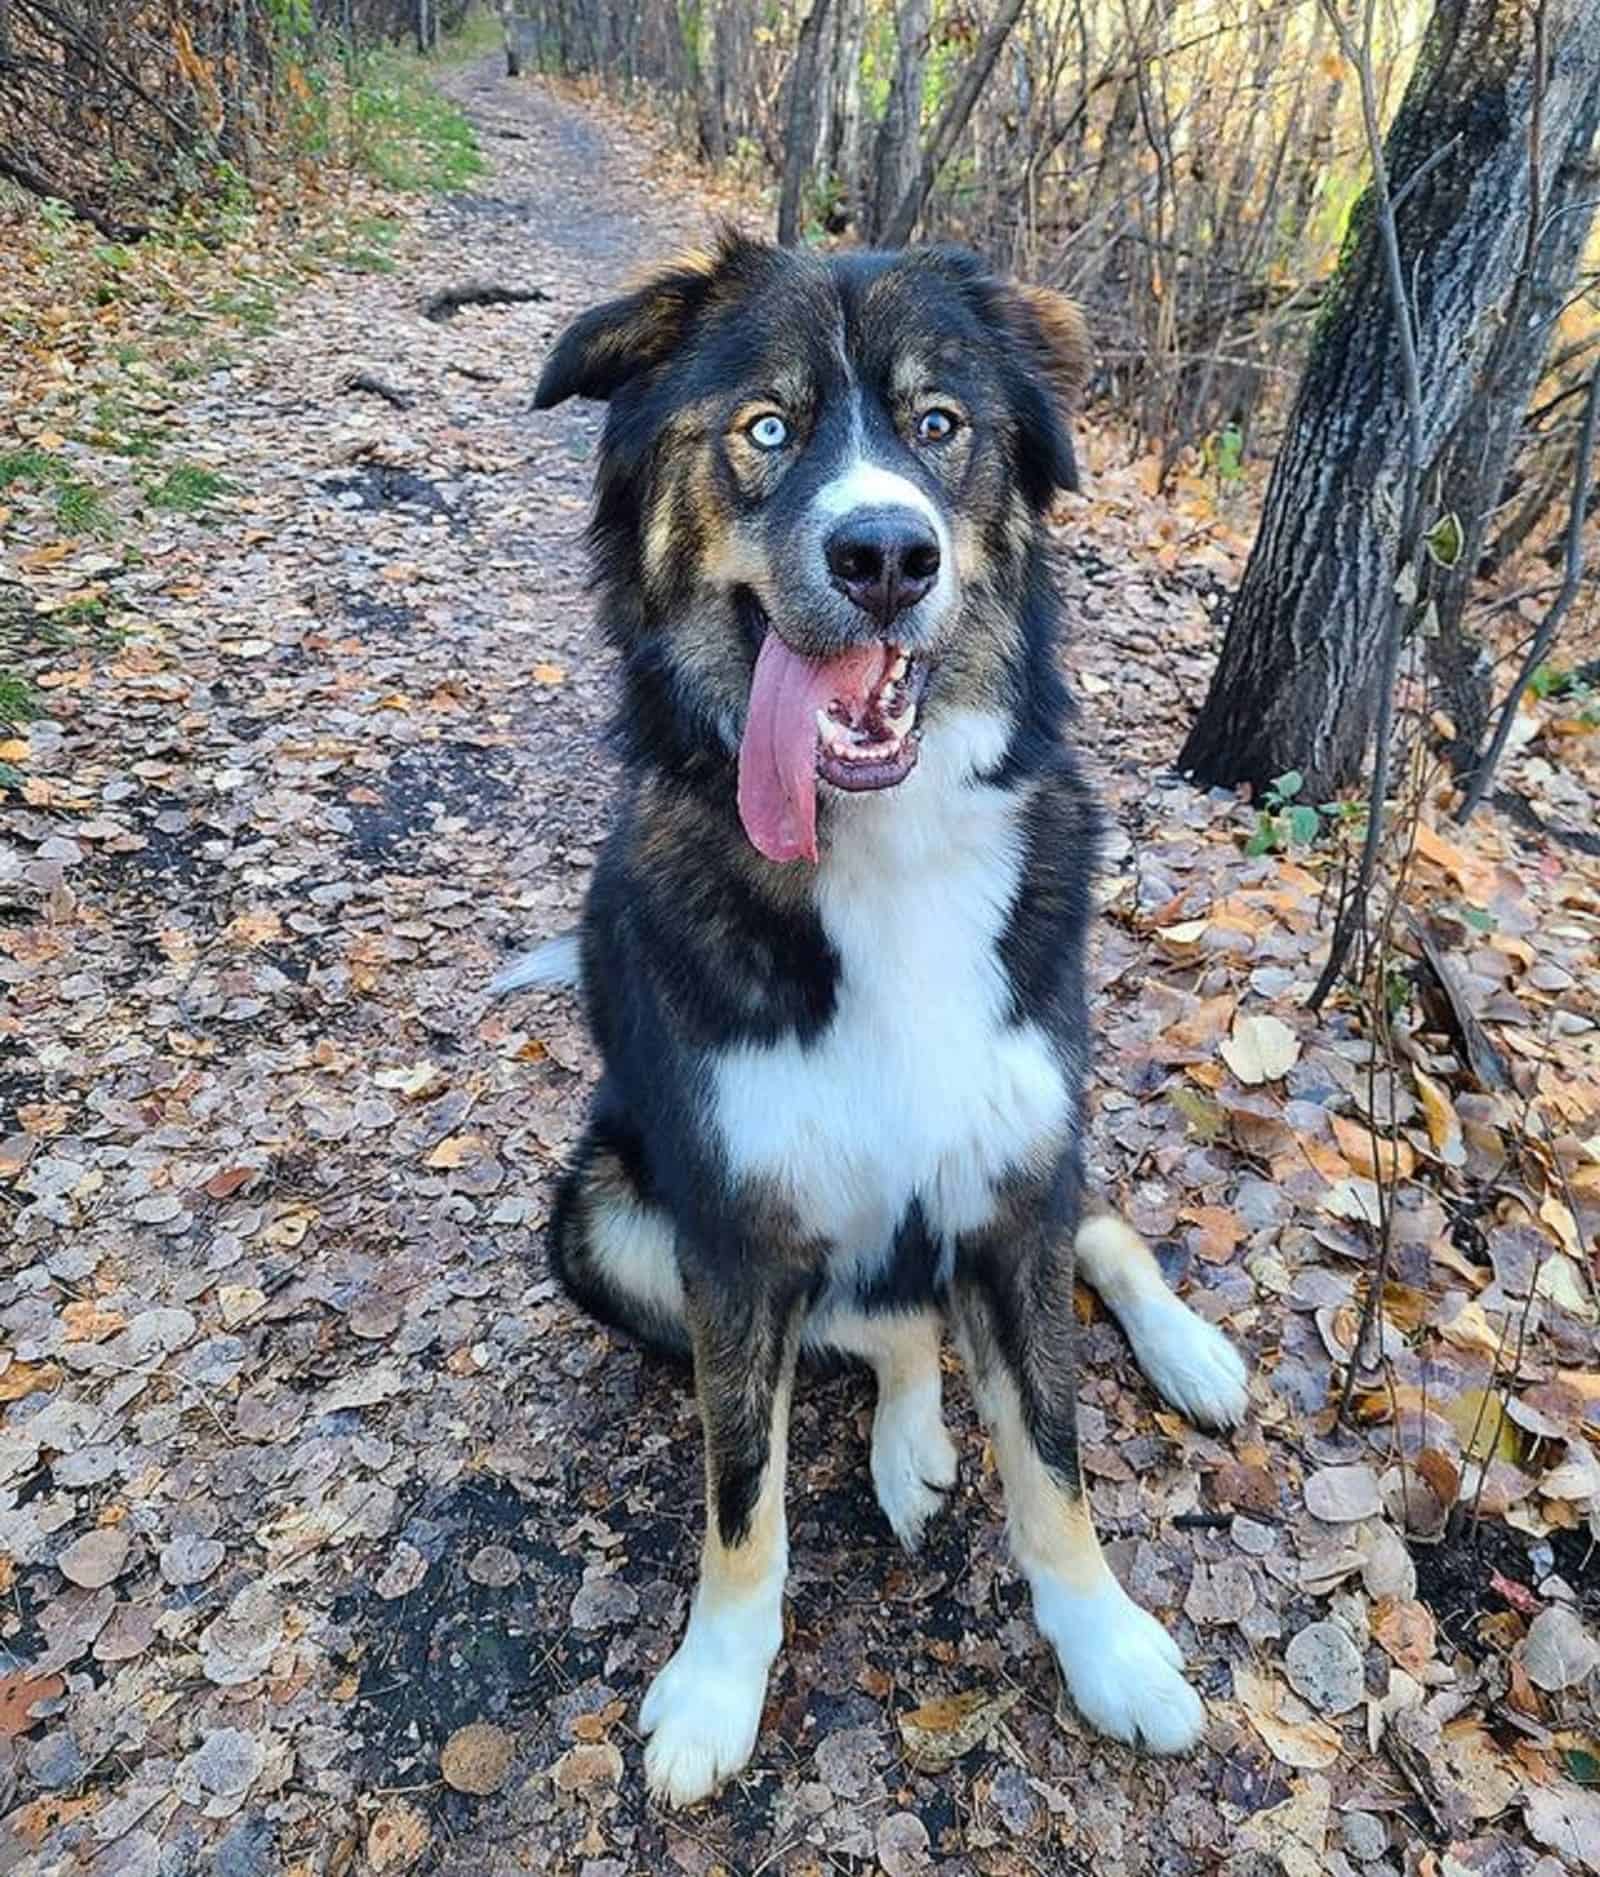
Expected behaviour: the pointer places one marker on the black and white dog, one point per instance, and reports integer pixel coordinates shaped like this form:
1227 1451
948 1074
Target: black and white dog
834 949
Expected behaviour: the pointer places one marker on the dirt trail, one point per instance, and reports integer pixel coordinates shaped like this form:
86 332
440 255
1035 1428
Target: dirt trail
316 1470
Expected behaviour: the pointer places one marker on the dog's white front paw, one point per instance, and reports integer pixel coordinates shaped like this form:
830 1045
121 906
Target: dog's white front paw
703 1710
913 1461
1122 1669
1188 1361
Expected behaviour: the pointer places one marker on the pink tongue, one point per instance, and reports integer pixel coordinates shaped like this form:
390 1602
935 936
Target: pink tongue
778 756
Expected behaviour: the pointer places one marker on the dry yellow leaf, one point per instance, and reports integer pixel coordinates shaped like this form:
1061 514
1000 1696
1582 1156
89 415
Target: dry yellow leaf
418 1079
1295 1736
549 674
1373 1157
27 1378
256 928
1444 1124
1558 1216
86 1322
455 1150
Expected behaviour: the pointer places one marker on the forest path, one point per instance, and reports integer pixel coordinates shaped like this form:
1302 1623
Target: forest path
312 1469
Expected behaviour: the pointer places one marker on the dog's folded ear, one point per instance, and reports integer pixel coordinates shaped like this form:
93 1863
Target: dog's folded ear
1061 337
1050 349
609 345
1045 355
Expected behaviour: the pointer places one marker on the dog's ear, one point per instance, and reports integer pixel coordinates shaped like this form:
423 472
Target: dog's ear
1051 342
1044 356
605 347
1062 339
1046 363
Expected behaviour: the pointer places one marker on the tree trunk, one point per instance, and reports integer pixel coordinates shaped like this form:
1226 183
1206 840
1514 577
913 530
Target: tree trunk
711 77
847 80
944 136
802 133
1472 469
1294 688
900 133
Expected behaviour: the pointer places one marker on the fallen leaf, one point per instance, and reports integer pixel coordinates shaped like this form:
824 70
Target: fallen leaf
456 1150
1261 1049
18 1695
1441 1119
1557 1214
477 1758
225 1184
397 1837
1404 1629
414 1081
1558 1651
588 1767
1293 1734
1342 1494
939 1732
1324 1668
1566 1819
1373 1157
87 1322
96 1558
27 1378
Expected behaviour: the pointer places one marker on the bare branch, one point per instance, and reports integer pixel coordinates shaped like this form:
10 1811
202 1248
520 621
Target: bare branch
1550 625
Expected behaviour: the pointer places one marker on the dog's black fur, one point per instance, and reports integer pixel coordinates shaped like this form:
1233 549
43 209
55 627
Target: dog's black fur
698 953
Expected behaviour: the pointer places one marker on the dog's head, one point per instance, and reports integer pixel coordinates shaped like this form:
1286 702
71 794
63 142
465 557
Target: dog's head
819 507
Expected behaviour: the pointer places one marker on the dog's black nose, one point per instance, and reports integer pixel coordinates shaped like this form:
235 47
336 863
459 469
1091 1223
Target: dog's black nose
883 560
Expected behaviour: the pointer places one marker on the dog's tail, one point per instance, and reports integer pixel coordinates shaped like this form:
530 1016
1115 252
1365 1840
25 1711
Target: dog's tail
555 964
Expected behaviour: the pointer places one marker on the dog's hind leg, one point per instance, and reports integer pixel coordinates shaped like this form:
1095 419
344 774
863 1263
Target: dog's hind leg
913 1456
1188 1361
703 1709
612 1247
1011 1300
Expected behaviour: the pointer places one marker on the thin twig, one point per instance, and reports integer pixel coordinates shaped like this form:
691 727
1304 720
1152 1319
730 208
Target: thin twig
1550 625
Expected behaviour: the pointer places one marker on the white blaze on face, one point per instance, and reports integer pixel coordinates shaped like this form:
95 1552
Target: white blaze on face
862 483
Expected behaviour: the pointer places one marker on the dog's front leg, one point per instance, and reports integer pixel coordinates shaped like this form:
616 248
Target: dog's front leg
702 1711
1012 1305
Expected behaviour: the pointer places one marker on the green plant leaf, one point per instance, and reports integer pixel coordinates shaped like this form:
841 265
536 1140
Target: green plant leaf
1287 786
1583 1767
1303 824
1445 540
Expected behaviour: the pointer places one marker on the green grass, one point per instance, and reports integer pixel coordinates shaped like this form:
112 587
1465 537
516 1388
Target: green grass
253 304
31 466
18 700
405 134
186 489
363 245
79 506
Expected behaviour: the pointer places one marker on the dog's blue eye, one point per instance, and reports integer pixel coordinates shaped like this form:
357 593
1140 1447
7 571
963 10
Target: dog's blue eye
769 433
936 426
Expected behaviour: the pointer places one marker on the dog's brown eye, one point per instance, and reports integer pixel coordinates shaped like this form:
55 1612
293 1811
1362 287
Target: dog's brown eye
936 426
769 432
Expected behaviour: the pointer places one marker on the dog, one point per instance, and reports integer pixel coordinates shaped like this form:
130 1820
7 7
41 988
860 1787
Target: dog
833 951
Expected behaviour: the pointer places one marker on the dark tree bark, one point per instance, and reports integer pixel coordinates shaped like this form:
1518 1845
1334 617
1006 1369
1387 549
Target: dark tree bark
942 139
1295 685
847 113
801 140
1472 469
899 139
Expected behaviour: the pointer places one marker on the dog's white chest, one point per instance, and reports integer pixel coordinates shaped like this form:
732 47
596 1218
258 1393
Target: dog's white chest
920 1087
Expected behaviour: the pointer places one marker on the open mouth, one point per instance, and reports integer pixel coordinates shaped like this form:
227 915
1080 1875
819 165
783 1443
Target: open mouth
848 719
871 743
